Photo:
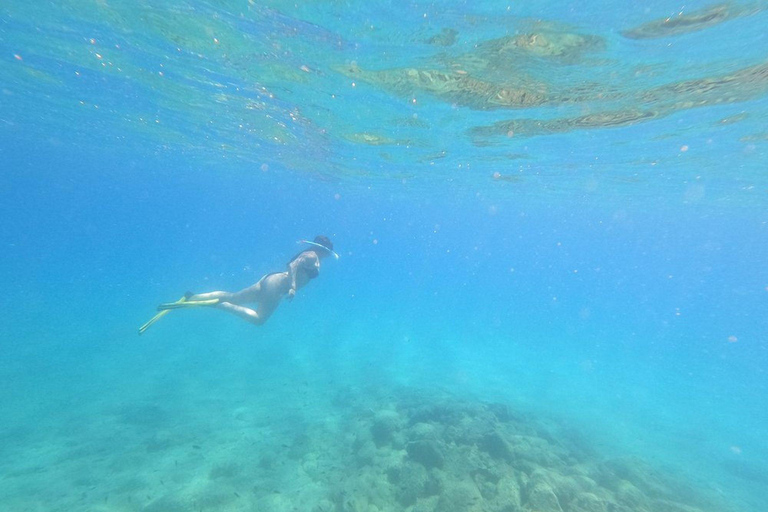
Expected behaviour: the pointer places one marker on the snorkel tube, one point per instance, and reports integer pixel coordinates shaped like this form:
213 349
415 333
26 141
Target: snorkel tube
335 254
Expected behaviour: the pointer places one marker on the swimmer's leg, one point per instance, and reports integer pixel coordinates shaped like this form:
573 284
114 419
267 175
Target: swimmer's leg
254 293
249 294
187 304
222 296
256 317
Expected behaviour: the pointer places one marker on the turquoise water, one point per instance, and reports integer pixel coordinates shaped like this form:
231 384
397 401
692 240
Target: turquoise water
556 208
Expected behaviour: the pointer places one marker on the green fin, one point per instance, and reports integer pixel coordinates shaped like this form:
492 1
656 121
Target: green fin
158 316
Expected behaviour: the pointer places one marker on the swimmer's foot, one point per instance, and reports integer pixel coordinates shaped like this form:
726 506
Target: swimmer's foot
187 304
157 317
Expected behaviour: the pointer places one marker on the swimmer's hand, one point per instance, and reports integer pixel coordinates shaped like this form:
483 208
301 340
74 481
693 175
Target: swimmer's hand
291 294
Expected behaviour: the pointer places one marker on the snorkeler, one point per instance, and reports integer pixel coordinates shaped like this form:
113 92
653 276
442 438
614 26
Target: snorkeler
267 292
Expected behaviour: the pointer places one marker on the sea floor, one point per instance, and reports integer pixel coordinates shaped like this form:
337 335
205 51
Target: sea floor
382 449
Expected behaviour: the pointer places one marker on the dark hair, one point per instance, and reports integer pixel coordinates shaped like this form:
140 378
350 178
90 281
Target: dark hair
319 239
324 241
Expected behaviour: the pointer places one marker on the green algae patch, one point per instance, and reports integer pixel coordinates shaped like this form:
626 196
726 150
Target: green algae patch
451 86
566 45
447 37
687 22
533 127
743 85
370 139
246 83
736 118
755 137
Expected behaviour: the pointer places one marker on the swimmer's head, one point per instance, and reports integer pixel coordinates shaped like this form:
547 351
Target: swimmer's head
324 241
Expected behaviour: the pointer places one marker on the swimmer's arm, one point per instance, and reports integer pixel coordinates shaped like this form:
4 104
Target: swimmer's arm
306 261
314 262
292 270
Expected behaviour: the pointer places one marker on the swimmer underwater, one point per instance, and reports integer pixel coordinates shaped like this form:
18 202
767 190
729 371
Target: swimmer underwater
266 293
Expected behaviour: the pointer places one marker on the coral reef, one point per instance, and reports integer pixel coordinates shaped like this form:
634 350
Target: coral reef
376 450
422 453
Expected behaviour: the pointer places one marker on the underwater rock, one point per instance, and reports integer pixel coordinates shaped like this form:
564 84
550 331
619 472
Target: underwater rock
565 487
629 495
426 452
672 506
635 471
536 450
353 502
366 453
542 498
503 412
496 446
385 424
463 496
508 493
477 463
399 441
588 502
584 484
436 414
421 431
410 480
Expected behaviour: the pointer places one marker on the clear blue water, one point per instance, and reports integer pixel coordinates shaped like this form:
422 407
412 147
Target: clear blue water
611 278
